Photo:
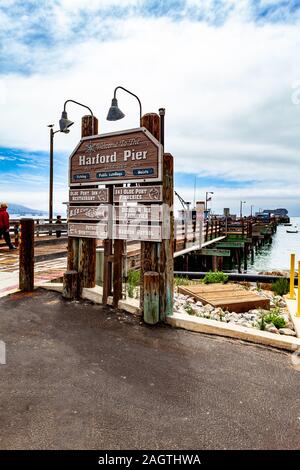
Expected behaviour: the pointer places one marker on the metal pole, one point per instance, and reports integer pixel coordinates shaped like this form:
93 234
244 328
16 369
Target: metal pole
298 292
51 179
162 113
292 277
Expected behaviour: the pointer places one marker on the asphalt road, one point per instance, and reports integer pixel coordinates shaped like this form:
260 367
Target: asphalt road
80 376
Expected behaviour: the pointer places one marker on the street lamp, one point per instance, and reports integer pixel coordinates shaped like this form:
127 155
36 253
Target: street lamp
114 112
52 132
64 122
207 198
241 208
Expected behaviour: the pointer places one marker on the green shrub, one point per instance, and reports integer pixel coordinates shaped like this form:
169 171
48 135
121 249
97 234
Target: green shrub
189 309
133 279
181 281
275 318
281 286
262 323
215 277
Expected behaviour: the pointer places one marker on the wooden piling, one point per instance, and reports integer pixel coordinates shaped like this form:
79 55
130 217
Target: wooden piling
151 297
108 256
71 285
82 251
149 250
26 256
118 271
87 246
166 255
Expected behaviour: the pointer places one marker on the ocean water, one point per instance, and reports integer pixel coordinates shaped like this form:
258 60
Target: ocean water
276 257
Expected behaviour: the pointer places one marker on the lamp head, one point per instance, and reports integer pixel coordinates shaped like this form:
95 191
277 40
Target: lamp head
114 113
65 123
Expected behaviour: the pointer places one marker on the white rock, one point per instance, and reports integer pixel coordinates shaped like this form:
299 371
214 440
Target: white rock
287 331
208 308
254 312
199 304
272 329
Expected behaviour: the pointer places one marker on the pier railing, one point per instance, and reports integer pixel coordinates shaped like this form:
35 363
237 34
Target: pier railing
42 228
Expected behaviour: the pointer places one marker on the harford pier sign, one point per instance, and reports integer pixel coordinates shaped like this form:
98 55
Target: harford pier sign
126 157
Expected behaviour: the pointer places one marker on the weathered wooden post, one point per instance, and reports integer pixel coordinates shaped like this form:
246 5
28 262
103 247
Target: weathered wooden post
214 263
207 231
108 256
87 246
82 251
118 258
71 285
157 257
149 254
151 297
118 271
166 255
26 254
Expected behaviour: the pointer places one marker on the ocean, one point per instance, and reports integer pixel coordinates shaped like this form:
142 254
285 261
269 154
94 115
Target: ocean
276 257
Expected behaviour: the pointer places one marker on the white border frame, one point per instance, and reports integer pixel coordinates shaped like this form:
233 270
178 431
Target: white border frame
120 181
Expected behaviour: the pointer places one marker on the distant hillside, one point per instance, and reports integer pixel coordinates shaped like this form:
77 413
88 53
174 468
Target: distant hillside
23 210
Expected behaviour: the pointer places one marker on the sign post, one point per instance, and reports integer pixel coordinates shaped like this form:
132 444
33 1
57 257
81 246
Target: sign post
140 211
82 251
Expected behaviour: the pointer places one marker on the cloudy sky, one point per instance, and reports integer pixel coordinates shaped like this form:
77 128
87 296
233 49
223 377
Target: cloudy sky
227 72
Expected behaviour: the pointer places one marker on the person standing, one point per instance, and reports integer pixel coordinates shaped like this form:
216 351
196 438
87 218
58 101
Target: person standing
4 225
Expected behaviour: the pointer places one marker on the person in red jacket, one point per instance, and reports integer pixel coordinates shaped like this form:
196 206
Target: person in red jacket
4 226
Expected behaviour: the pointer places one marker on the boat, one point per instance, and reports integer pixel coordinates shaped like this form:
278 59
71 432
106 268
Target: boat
287 225
292 231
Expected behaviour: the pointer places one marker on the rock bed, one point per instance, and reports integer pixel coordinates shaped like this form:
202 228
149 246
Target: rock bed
251 319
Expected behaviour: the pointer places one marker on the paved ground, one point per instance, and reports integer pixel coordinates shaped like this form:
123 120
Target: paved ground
83 376
9 259
44 271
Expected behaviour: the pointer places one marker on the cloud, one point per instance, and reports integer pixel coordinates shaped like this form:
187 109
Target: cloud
225 72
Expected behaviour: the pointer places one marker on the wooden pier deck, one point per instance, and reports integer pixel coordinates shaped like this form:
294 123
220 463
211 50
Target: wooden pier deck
231 297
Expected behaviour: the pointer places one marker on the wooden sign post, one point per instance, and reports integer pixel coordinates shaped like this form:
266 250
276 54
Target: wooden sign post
82 251
140 211
158 256
26 256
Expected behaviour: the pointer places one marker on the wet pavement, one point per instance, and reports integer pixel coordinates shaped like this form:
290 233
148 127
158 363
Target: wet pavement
83 376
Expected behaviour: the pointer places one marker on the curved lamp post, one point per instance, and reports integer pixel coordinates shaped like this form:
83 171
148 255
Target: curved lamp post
64 122
114 112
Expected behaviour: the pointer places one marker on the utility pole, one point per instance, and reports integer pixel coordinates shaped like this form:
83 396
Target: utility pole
241 208
51 175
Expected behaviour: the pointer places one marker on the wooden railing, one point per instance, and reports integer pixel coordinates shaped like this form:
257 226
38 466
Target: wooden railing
190 233
42 227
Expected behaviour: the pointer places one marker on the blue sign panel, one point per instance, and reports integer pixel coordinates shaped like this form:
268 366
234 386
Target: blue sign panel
110 174
81 176
143 171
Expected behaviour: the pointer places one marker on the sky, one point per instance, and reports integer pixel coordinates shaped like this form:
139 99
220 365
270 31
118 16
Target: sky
227 72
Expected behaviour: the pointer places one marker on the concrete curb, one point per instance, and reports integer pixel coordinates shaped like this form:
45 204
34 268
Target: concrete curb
192 323
213 327
94 294
292 307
